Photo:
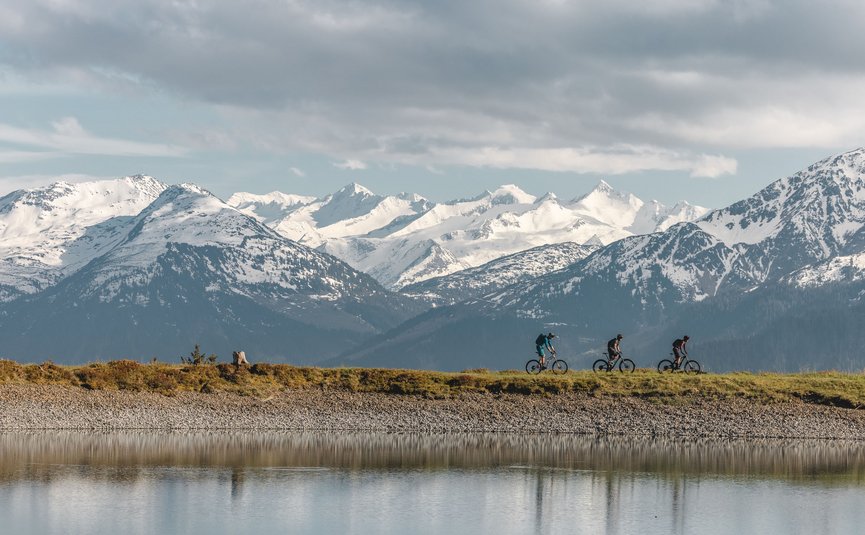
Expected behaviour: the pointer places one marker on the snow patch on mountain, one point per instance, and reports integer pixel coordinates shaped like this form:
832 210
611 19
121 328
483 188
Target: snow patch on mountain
841 269
497 274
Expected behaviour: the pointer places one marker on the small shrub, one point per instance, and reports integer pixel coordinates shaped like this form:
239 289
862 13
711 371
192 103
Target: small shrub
197 357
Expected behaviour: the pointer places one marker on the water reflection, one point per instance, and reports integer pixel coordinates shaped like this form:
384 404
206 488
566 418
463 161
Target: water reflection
790 459
307 482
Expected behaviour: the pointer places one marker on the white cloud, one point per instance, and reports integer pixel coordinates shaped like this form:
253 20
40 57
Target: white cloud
297 172
709 166
69 137
17 156
614 160
351 165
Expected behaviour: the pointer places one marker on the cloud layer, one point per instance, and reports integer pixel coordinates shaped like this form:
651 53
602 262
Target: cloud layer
608 86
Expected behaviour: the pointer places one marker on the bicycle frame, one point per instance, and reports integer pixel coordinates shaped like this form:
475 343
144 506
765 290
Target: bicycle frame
549 361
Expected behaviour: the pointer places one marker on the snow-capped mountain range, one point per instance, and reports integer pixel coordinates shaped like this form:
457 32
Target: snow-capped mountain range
186 268
770 258
405 239
133 267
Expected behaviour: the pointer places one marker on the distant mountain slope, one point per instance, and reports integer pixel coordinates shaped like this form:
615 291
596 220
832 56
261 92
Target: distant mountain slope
404 239
192 269
741 278
497 274
47 233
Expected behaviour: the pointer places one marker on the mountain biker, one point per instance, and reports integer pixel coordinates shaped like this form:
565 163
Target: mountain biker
542 342
613 351
680 350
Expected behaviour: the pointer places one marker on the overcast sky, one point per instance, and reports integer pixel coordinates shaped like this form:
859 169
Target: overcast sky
706 100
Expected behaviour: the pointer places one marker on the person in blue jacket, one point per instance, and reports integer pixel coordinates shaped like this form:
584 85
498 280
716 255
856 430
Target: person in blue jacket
543 343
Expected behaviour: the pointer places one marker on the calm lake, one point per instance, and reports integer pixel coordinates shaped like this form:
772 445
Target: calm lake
310 482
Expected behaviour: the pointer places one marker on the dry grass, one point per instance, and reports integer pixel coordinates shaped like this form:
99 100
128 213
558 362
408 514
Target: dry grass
826 388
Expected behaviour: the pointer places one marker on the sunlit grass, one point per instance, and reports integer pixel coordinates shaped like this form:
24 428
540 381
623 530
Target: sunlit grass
825 388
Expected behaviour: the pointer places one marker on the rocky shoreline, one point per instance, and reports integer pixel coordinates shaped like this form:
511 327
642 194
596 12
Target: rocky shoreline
60 407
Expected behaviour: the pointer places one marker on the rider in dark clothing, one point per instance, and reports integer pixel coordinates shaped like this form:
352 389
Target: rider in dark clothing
613 351
680 350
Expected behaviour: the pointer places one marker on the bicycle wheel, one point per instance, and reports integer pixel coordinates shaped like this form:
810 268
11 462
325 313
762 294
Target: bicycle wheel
560 366
533 367
627 365
692 366
601 365
665 366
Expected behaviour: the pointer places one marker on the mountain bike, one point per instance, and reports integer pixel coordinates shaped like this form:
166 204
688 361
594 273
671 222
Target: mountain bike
608 364
687 365
557 365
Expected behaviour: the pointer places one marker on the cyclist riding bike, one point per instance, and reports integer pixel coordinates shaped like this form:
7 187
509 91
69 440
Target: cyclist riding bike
613 351
680 350
542 343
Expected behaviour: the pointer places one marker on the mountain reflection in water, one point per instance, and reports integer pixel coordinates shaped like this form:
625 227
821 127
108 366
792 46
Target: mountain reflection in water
354 482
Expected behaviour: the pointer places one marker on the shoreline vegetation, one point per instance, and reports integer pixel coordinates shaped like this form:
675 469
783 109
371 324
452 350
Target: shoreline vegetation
828 388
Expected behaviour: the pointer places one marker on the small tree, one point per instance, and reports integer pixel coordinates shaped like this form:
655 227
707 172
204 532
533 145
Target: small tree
197 357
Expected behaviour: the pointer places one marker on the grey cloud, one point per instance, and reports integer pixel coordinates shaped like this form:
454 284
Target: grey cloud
373 79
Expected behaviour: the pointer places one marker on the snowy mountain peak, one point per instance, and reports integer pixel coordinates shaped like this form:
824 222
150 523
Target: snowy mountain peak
604 191
412 197
511 194
548 196
145 182
594 241
350 202
608 205
603 186
354 189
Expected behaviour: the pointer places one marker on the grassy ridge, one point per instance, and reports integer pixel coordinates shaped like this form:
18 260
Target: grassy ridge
261 380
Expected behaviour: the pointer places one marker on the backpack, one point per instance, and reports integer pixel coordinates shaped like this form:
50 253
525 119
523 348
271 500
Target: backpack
541 340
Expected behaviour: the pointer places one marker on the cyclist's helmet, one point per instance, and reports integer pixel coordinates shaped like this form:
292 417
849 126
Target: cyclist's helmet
551 335
686 338
619 336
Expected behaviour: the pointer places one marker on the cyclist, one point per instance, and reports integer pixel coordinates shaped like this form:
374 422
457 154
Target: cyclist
613 351
680 350
542 342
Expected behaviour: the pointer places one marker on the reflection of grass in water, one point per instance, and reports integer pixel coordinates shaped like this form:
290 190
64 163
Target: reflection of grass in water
824 388
129 456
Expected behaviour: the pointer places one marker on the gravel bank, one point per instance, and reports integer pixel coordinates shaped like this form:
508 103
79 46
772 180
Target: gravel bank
58 407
